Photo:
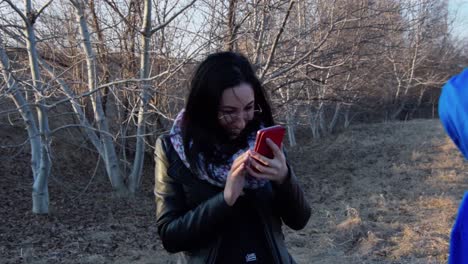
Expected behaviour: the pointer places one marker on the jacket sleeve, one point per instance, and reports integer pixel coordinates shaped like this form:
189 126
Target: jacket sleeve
181 228
291 203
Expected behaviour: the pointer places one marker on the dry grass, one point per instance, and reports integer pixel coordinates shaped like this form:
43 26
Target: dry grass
381 193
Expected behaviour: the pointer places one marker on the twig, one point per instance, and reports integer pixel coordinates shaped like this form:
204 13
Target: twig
172 18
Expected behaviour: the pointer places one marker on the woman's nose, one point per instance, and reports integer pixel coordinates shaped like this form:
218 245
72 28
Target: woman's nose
240 123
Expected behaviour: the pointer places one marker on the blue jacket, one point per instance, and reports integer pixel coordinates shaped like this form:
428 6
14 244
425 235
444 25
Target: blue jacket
453 113
453 110
459 235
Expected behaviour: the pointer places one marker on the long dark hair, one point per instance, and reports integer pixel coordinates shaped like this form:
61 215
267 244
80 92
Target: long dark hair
201 130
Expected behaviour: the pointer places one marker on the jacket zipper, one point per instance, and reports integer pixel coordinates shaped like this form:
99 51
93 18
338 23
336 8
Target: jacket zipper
268 235
214 251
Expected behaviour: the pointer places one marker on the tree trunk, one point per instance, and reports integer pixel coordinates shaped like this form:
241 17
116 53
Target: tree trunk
231 23
40 193
290 128
334 121
314 126
40 167
102 54
135 175
110 157
418 104
321 120
347 120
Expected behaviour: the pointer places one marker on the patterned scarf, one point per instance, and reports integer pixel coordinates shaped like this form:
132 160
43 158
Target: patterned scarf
217 173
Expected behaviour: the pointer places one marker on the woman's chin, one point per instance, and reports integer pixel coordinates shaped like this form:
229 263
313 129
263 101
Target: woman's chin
234 135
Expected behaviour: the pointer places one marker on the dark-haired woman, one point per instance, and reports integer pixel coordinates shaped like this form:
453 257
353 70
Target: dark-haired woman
217 201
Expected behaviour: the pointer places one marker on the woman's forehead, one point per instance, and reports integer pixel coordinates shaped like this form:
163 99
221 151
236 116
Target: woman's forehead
237 96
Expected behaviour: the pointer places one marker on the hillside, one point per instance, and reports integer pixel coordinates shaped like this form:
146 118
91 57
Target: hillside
381 193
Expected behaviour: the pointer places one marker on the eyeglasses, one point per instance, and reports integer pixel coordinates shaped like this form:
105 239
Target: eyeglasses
246 115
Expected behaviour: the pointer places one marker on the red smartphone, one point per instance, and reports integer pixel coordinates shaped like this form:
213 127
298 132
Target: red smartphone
275 133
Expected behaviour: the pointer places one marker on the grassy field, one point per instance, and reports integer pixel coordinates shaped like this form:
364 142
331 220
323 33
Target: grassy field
380 193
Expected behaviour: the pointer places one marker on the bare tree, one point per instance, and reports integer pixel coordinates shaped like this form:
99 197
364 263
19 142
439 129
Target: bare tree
38 130
110 157
147 32
123 67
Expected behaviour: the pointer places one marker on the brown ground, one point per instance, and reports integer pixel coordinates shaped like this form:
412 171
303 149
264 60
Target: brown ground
383 193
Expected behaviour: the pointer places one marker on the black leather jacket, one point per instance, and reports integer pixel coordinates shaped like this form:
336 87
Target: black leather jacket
190 212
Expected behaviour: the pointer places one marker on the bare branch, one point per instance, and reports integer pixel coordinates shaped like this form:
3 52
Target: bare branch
172 18
325 67
292 66
275 43
43 8
83 126
17 11
124 19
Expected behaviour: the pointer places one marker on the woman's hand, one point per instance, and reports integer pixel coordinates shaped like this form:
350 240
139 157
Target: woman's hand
236 179
274 169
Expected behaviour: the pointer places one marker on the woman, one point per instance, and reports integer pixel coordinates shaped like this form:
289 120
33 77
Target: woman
217 201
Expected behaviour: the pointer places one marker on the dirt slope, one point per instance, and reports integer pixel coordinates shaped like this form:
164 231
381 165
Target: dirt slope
383 193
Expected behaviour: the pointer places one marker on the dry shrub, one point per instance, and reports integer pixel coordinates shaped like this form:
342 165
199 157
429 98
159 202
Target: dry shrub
367 244
405 242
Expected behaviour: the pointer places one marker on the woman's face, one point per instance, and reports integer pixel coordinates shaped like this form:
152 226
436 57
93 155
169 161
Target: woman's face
236 108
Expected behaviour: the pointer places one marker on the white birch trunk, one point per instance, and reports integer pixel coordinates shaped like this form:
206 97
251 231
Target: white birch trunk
314 127
320 116
334 121
419 102
312 118
338 107
135 175
347 120
259 41
409 82
321 120
110 157
40 193
290 128
40 168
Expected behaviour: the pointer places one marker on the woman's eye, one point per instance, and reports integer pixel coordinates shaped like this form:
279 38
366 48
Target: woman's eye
248 108
227 112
